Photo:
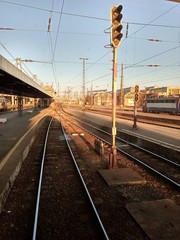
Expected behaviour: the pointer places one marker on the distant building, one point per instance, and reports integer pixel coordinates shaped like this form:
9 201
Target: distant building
99 98
128 97
162 91
103 99
125 97
153 91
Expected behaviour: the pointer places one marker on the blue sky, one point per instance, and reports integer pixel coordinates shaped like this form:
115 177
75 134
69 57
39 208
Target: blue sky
79 32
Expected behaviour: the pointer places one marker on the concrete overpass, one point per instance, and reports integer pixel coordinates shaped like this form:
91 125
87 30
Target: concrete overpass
14 82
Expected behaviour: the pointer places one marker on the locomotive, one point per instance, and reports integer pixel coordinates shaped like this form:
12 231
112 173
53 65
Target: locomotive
169 105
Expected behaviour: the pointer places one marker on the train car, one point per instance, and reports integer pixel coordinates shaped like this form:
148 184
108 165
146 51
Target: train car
10 103
3 104
44 102
6 103
169 105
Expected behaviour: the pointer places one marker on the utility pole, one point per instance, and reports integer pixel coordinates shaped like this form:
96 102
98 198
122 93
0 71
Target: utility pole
116 37
91 101
83 83
68 94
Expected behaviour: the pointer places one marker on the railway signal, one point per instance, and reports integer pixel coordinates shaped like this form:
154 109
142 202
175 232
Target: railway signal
136 97
136 93
135 106
136 88
116 21
116 36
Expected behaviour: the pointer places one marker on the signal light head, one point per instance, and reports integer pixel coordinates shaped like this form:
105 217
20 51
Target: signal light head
119 28
136 97
136 89
117 38
116 18
119 8
119 18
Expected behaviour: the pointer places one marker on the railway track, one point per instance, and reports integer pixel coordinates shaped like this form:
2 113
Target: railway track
61 182
159 165
62 208
160 121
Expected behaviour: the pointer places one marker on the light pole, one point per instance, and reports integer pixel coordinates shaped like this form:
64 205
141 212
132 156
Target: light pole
83 83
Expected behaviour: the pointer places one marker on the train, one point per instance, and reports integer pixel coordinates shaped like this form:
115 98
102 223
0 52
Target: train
6 103
11 103
169 105
2 104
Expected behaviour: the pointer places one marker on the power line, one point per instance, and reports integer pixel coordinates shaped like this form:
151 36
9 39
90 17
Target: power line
152 25
154 19
58 30
8 51
153 40
96 18
51 44
156 55
29 72
145 25
154 70
136 64
162 79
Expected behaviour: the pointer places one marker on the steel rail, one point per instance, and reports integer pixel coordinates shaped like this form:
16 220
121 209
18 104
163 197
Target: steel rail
129 143
132 157
85 187
40 183
141 118
149 167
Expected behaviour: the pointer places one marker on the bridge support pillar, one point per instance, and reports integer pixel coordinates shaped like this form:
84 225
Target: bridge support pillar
35 103
20 105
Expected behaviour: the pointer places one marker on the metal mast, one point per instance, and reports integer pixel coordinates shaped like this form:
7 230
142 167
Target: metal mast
83 82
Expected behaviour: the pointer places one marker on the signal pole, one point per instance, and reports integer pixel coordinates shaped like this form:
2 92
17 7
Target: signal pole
121 88
116 36
83 83
112 158
135 106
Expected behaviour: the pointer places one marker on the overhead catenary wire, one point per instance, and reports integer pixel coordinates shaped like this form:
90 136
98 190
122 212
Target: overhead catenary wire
133 65
145 25
27 71
153 71
51 44
156 55
148 24
53 49
95 18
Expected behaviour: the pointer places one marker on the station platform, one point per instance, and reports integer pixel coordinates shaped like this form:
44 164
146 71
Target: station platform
159 219
16 137
121 176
